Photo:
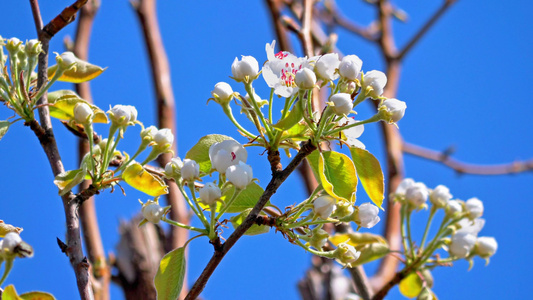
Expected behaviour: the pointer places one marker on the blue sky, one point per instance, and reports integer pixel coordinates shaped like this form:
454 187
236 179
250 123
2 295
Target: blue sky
467 84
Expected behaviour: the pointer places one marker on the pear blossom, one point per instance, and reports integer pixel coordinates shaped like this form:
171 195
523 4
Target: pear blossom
66 60
324 206
225 154
350 67
164 137
392 110
342 103
367 216
486 246
374 83
403 186
148 133
10 241
474 207
82 113
318 238
440 196
152 212
223 93
353 133
33 47
173 167
246 67
462 243
280 70
123 115
305 79
240 175
326 65
417 194
454 207
210 193
471 226
190 170
347 254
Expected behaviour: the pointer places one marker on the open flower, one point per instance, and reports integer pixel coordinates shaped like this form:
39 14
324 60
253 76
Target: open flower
280 70
353 133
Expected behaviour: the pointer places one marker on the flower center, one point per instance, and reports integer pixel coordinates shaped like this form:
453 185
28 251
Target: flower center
288 73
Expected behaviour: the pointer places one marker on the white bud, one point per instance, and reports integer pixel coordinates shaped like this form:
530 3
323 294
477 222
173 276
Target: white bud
417 194
350 67
190 170
83 113
454 207
474 207
326 65
440 196
223 93
392 110
239 175
367 216
164 137
374 83
324 206
33 47
173 168
210 193
66 60
11 240
342 103
149 133
247 66
152 212
225 154
462 244
305 79
403 186
123 115
486 246
347 254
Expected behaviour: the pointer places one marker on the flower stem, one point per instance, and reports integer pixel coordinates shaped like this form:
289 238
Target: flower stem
270 102
228 204
172 222
250 90
227 110
374 118
201 214
428 225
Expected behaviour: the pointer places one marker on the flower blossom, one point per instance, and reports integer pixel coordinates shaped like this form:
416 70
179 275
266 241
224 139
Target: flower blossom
280 70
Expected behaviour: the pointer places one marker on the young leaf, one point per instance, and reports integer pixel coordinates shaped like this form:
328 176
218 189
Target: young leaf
140 179
11 294
237 220
246 199
170 274
84 71
63 103
4 126
294 116
66 181
370 252
356 239
336 173
370 174
200 151
5 228
411 286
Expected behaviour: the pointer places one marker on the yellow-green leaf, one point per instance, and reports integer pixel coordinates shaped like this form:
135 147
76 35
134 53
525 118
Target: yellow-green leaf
37 296
411 286
294 116
10 293
246 199
4 126
336 172
137 177
200 151
370 174
237 220
66 181
84 71
6 228
63 103
356 239
170 274
371 252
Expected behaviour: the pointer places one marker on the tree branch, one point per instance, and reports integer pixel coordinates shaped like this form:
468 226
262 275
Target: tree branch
340 20
67 16
278 177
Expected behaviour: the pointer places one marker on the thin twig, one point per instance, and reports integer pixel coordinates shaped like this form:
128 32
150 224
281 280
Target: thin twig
278 177
275 7
339 19
67 16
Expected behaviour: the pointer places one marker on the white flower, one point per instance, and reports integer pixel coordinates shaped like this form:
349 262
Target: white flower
240 175
454 207
149 133
474 207
352 134
440 196
392 110
417 194
324 206
367 216
374 83
164 137
246 67
462 244
403 186
82 113
33 47
326 65
152 212
66 60
223 93
350 67
347 254
486 246
210 193
11 240
305 79
123 115
342 103
190 170
225 154
173 167
280 70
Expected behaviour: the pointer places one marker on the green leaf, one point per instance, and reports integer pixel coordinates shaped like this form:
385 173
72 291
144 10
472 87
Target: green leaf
66 181
237 220
37 296
246 199
294 116
170 274
336 172
4 126
84 71
370 174
137 177
63 103
200 151
356 239
6 228
370 252
411 286
10 293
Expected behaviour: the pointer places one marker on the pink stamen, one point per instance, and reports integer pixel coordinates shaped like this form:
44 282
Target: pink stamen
233 156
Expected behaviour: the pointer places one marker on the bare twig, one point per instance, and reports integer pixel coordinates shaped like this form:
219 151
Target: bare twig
278 177
275 7
339 19
468 168
67 16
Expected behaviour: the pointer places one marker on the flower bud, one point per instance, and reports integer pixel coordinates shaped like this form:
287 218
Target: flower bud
305 79
344 209
147 134
486 246
123 115
210 193
326 65
462 244
392 110
317 238
152 212
346 254
33 47
83 113
11 240
323 206
453 208
239 175
367 215
190 170
225 154
440 196
223 93
350 67
417 195
347 87
246 67
342 104
374 83
13 46
403 186
173 168
164 137
474 207
66 60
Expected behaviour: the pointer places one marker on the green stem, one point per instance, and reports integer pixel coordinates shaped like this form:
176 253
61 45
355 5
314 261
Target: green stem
374 118
191 205
212 233
7 269
228 204
88 127
142 147
201 214
411 244
250 90
432 212
227 110
110 139
360 98
172 222
402 229
270 108
49 84
328 254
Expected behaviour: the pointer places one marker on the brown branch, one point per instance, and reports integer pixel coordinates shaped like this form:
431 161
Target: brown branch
67 16
425 28
468 168
49 145
307 40
278 177
338 19
275 7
